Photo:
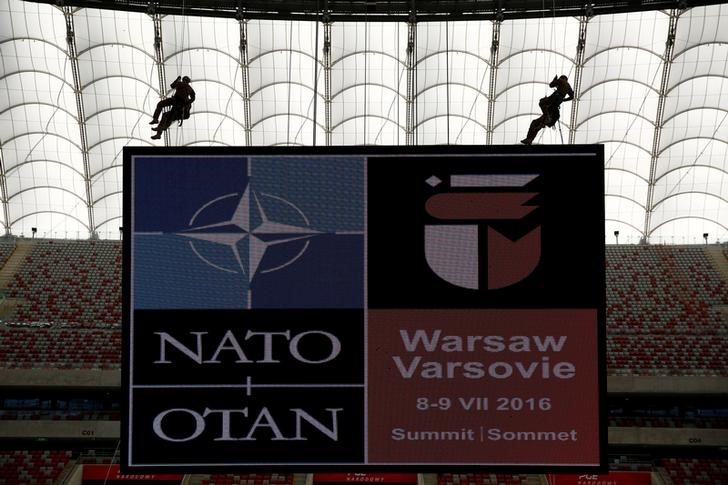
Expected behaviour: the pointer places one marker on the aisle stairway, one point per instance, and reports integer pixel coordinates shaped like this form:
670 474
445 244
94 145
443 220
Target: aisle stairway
719 255
23 247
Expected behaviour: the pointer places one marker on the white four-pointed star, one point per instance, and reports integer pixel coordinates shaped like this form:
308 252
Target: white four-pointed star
272 233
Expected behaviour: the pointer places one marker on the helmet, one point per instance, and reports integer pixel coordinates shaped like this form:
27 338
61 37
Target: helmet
186 79
563 77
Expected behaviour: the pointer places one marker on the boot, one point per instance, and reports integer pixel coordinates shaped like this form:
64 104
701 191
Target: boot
157 136
533 130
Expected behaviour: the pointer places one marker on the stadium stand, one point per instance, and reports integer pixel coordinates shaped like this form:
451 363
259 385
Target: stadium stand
669 422
74 282
485 479
663 289
69 315
697 471
97 457
7 246
249 479
59 347
665 317
663 312
36 415
630 464
669 293
40 467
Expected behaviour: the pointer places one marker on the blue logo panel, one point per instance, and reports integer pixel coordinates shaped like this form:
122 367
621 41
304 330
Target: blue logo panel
239 233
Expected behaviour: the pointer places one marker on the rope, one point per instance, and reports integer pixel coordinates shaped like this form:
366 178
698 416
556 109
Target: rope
642 105
227 105
113 459
185 36
472 106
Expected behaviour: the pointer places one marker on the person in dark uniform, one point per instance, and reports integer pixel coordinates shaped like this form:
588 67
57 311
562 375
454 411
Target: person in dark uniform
180 105
550 107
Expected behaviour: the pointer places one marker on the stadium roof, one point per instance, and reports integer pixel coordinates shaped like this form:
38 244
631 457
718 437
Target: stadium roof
385 10
77 84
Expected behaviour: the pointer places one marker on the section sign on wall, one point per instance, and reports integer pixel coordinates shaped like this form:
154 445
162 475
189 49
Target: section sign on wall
359 309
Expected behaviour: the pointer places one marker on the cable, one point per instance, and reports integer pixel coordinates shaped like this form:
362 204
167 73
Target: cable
389 111
134 126
113 458
50 118
227 105
538 37
185 35
694 163
644 100
472 106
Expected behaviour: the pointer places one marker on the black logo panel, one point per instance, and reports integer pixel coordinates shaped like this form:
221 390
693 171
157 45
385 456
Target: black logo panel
477 232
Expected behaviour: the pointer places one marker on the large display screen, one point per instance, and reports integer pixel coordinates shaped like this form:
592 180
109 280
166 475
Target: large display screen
354 309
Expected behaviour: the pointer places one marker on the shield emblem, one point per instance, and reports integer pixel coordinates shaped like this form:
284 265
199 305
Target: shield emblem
452 249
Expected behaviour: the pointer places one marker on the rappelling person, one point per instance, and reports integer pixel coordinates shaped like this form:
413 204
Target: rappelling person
180 105
550 107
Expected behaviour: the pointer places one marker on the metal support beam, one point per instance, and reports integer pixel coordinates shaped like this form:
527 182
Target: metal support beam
411 102
447 79
73 59
666 65
327 78
245 74
159 59
391 10
4 193
580 48
494 48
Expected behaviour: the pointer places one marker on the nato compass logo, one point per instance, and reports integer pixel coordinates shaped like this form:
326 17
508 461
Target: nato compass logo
452 250
244 233
250 233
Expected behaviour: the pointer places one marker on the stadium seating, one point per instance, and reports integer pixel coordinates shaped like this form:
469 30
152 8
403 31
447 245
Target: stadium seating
668 422
696 471
634 463
249 479
36 467
484 479
74 282
59 415
98 457
663 289
666 354
663 315
662 312
7 246
59 347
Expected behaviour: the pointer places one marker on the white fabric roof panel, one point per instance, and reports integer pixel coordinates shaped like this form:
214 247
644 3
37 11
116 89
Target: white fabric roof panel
531 52
706 25
452 81
39 129
368 83
61 167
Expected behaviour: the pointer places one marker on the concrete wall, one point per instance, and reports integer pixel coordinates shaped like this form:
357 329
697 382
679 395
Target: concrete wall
668 436
60 429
